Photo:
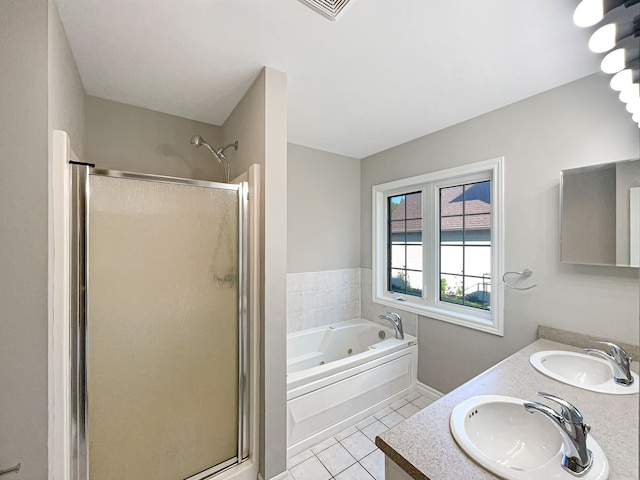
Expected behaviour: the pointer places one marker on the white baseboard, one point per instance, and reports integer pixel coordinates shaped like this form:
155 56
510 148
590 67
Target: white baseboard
429 392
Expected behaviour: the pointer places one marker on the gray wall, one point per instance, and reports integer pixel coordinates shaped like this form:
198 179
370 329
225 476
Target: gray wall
66 92
259 124
323 209
578 124
129 138
41 90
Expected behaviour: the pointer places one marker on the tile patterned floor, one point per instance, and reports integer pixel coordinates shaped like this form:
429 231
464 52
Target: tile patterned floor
352 454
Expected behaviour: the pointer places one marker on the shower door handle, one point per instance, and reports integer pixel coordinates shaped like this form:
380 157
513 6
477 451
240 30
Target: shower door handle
15 469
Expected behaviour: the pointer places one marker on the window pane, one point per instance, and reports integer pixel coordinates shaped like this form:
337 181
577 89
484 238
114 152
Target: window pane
451 288
398 283
398 232
477 261
451 229
477 292
414 283
413 203
465 244
414 257
477 228
398 256
477 198
397 207
451 201
451 259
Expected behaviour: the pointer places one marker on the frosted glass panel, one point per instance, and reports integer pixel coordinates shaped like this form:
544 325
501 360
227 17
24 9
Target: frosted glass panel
162 329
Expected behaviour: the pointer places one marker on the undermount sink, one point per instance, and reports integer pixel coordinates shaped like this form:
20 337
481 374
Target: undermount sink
581 370
500 435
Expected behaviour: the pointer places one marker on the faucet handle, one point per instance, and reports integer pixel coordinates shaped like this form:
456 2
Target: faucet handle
618 353
568 412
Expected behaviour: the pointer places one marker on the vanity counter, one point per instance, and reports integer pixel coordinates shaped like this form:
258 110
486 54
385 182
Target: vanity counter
423 447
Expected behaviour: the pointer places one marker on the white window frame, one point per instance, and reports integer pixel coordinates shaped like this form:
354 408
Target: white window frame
429 305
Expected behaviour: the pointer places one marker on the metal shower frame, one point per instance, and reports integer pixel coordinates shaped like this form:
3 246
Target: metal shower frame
80 192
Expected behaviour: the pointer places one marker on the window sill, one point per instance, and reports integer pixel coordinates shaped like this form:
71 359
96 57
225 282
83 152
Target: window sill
492 326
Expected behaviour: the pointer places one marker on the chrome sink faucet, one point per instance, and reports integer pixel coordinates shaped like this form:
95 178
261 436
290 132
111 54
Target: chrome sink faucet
577 458
395 319
619 360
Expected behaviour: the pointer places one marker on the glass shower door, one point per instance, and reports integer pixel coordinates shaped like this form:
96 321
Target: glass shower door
162 329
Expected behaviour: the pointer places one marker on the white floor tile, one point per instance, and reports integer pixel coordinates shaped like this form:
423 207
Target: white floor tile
299 458
375 429
310 469
383 413
393 419
346 433
358 445
422 402
365 423
374 464
323 445
400 403
408 410
412 396
354 472
336 459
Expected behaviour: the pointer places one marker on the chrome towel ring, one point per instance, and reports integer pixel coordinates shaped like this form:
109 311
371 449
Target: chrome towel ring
524 273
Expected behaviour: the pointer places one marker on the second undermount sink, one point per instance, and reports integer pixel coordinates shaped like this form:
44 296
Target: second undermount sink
580 370
500 435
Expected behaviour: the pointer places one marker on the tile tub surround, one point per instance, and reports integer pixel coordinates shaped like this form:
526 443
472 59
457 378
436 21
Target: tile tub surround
371 310
424 448
316 299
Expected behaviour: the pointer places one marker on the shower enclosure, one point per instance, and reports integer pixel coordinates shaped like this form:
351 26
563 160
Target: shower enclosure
159 329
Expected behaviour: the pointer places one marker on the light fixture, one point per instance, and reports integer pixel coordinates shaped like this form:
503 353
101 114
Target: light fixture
636 117
622 79
634 107
606 37
630 93
620 36
590 12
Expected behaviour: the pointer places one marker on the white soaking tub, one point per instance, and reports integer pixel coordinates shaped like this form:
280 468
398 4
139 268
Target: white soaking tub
339 374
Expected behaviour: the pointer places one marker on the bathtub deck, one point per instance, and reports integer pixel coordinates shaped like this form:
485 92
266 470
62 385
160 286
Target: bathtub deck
352 454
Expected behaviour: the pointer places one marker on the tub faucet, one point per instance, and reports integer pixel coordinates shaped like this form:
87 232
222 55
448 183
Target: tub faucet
618 359
395 319
577 458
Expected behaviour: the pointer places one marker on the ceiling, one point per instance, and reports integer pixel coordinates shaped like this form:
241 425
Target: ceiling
384 73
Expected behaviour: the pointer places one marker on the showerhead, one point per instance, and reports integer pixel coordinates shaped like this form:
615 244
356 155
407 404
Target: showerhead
197 140
219 155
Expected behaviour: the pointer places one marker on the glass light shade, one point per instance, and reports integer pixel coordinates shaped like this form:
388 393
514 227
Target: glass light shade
603 39
636 117
588 13
634 106
630 93
622 79
614 61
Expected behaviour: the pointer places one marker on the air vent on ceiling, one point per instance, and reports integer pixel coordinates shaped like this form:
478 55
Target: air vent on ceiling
329 8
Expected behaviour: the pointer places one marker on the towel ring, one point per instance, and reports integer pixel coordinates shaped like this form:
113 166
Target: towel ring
524 273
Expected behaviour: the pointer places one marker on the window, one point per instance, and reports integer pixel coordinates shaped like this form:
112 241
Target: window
437 245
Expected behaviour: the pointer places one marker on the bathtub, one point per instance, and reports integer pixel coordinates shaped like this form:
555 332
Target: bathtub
339 374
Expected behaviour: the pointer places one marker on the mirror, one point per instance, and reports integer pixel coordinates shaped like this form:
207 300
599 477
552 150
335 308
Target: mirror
600 214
